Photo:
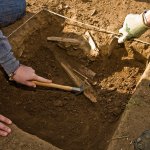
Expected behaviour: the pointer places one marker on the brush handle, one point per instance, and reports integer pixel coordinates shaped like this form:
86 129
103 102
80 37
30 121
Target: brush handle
53 85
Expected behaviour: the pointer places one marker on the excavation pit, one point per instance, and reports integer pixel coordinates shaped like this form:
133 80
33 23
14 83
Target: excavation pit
66 120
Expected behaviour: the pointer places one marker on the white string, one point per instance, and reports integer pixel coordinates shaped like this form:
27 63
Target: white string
94 27
79 23
23 24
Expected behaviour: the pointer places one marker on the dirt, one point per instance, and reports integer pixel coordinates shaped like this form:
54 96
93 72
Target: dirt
64 119
28 141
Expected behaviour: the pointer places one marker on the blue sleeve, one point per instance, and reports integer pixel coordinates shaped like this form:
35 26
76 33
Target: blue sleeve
7 59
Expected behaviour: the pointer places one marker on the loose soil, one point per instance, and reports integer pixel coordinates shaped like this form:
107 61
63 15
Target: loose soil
69 121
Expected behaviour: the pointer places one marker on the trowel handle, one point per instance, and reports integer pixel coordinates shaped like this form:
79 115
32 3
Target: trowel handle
53 85
57 86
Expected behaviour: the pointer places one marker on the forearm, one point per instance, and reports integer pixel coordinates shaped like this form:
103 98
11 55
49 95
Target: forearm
7 59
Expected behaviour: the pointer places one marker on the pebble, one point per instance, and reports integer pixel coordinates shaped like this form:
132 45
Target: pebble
112 88
94 12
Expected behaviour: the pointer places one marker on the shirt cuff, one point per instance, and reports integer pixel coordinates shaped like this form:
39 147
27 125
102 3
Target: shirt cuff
11 64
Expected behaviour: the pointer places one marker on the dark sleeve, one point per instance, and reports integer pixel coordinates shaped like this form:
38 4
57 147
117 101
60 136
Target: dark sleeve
7 59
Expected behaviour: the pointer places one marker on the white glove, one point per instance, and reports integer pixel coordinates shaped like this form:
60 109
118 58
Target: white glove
134 26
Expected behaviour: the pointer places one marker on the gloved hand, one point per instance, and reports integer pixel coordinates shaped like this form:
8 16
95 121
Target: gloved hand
134 26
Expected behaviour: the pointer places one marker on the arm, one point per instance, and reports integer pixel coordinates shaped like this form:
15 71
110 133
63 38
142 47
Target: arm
7 59
21 74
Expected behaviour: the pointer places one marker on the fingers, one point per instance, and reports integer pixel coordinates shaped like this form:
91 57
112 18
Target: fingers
41 79
4 128
5 120
37 78
25 75
30 84
3 133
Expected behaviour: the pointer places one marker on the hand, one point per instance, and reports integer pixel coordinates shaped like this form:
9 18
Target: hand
25 75
4 130
134 26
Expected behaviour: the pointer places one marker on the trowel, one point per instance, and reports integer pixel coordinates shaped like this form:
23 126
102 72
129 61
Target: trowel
88 91
112 44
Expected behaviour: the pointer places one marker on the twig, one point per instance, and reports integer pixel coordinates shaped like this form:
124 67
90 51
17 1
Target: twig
136 40
80 74
121 137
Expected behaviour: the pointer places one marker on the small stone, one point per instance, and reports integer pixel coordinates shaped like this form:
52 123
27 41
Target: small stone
112 88
66 7
95 83
94 12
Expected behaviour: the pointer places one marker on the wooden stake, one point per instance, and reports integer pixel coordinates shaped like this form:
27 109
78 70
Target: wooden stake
63 39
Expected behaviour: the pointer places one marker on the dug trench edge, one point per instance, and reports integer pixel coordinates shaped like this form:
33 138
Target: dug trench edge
135 119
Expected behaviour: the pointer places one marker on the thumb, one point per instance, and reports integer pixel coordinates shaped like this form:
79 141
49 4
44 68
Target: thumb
30 84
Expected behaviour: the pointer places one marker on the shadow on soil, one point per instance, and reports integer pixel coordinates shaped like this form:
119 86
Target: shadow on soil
147 1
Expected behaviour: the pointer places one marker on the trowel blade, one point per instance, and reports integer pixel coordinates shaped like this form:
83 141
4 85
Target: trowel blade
112 45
